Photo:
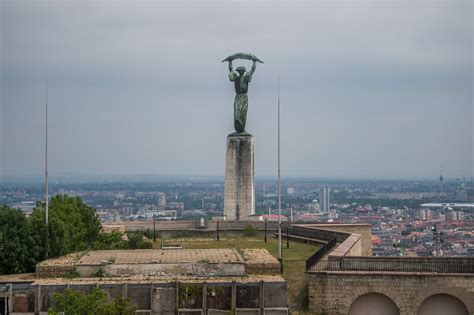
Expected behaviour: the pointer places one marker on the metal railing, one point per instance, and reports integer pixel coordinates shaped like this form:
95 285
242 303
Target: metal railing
395 264
311 261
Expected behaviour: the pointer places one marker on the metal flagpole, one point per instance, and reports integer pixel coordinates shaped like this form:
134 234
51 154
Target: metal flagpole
46 158
280 256
46 197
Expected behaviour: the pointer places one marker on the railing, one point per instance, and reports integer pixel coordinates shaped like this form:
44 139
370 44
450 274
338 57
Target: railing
396 264
317 234
311 261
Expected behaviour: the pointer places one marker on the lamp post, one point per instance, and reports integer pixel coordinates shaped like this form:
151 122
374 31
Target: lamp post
265 228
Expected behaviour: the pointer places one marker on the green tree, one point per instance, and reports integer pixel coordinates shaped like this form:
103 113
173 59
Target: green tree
72 226
17 253
135 241
113 240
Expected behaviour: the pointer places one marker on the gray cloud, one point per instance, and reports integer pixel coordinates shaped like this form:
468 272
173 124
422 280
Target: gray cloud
369 89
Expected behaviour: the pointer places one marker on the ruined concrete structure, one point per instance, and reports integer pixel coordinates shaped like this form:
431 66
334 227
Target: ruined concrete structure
253 295
152 262
177 281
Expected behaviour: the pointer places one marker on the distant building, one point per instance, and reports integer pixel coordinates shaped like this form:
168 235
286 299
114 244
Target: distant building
161 200
456 215
461 195
175 206
271 217
324 199
313 206
290 190
448 205
26 207
333 214
425 214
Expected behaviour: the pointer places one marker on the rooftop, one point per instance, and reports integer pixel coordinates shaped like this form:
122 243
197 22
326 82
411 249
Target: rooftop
144 256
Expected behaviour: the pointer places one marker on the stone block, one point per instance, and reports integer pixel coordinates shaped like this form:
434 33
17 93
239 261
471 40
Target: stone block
239 190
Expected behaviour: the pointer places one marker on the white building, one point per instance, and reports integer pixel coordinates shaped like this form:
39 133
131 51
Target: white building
324 199
425 214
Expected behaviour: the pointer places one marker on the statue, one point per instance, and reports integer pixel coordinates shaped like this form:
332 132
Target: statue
241 83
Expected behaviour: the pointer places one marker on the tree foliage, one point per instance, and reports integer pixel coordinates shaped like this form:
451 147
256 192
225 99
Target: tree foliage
17 250
95 302
72 226
113 240
136 241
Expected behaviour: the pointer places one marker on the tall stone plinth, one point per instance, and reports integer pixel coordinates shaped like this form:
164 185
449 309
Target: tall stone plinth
239 192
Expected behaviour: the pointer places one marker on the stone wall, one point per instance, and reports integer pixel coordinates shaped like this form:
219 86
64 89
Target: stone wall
365 231
54 271
188 226
334 292
352 246
57 267
202 269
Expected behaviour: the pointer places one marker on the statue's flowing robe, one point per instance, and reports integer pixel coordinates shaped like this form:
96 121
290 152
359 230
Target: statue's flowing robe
241 104
241 101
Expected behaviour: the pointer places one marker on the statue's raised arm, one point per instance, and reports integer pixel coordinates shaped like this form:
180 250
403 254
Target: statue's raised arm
254 66
232 74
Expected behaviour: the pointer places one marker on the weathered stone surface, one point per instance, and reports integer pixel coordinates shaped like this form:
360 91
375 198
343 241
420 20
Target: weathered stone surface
57 267
334 292
164 301
260 261
239 191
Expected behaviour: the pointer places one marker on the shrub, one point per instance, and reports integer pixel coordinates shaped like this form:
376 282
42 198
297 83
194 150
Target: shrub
99 273
94 302
250 231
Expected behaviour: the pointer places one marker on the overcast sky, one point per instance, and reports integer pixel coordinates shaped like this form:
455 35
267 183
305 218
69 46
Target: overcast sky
378 89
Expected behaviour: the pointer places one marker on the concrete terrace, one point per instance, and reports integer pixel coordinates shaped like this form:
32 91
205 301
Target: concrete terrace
144 256
198 262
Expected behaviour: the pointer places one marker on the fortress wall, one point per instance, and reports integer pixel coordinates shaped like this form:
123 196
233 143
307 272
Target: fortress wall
334 292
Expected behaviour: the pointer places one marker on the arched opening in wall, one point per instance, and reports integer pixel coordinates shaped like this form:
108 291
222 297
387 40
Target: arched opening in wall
373 304
441 304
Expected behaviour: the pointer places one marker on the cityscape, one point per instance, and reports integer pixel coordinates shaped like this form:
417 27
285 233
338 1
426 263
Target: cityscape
236 158
402 213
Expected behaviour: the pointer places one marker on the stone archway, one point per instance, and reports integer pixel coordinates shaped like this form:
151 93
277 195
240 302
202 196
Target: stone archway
440 304
373 304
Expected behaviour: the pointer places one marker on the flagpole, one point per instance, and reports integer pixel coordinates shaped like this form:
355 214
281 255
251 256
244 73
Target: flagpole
280 256
46 159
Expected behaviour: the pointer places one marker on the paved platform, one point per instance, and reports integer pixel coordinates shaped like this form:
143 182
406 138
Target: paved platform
207 262
157 256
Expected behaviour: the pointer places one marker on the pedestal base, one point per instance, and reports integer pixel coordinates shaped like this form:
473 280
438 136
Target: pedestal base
239 191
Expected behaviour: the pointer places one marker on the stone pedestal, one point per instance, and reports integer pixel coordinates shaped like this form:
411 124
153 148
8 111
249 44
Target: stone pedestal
239 192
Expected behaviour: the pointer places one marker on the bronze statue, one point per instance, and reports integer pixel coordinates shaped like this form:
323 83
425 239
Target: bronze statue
241 83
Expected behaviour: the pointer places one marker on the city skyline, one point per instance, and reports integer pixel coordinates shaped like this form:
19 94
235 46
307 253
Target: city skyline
127 91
